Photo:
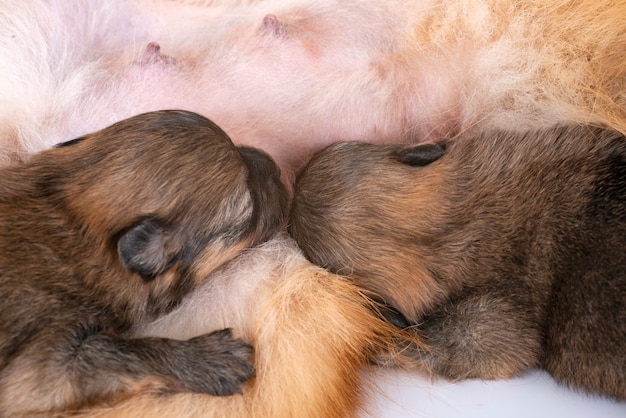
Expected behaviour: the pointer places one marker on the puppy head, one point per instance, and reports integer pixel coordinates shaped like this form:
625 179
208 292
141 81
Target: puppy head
168 196
368 211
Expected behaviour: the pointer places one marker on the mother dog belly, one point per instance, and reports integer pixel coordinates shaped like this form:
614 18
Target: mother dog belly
292 77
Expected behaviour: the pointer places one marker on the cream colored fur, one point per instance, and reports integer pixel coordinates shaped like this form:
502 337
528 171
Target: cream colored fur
320 71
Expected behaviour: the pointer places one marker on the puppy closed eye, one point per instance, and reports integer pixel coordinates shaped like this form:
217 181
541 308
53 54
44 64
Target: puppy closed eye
421 155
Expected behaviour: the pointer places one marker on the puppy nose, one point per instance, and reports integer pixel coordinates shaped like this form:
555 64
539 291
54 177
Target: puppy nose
269 193
260 163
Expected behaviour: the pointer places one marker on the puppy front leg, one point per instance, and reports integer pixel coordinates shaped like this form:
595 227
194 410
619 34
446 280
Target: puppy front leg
479 336
59 373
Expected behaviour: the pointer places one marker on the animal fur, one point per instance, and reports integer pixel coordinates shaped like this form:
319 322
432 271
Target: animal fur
313 333
502 251
112 230
291 77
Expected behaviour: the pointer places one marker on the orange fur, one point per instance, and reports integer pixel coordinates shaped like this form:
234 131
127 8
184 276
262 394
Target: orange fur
313 333
508 64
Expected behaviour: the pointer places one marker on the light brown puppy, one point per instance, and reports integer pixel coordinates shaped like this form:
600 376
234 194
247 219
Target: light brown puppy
112 230
503 251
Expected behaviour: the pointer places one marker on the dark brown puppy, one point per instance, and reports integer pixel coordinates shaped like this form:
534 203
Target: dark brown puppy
111 230
505 251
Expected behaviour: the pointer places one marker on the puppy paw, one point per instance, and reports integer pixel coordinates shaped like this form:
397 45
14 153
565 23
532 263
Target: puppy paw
215 363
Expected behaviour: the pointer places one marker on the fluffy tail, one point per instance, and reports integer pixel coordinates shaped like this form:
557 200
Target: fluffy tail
313 333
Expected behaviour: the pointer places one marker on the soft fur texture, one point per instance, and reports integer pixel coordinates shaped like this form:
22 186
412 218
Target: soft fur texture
503 251
291 77
313 333
112 230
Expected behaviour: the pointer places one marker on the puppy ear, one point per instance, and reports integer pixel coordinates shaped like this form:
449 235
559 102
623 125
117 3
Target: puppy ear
143 249
422 154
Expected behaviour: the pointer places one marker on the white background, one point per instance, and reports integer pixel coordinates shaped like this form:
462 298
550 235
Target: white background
535 395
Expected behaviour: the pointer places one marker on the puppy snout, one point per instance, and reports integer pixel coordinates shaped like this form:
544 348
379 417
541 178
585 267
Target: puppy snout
260 163
271 198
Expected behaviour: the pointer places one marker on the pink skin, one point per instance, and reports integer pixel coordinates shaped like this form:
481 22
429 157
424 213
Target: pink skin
152 55
288 80
273 25
288 85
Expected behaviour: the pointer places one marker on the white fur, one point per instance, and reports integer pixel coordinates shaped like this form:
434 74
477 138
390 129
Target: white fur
385 71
